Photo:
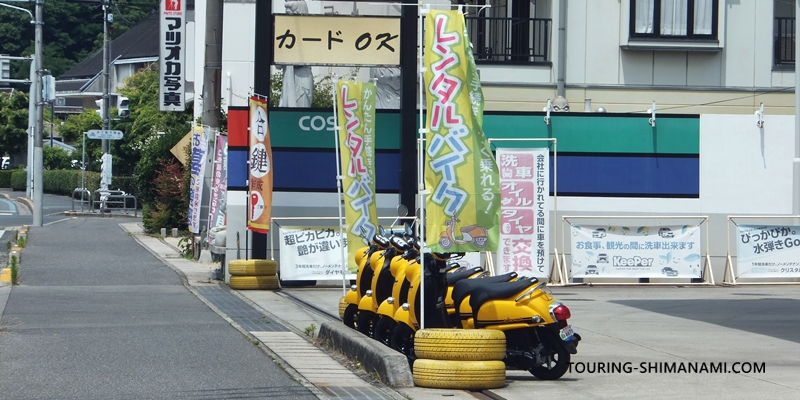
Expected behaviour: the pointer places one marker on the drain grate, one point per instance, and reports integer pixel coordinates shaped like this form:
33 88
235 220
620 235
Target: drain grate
354 393
247 316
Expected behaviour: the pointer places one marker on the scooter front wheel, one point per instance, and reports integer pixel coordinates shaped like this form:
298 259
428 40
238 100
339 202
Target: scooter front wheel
556 365
403 341
350 316
366 322
383 330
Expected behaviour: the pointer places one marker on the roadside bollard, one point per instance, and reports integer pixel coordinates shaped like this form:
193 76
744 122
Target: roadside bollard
163 232
174 232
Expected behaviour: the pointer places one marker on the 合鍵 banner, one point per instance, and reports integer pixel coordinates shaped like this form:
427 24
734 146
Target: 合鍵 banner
311 253
768 251
636 252
260 207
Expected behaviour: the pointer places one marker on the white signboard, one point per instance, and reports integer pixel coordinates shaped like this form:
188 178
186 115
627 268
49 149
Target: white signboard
104 134
768 251
172 57
311 253
636 252
524 212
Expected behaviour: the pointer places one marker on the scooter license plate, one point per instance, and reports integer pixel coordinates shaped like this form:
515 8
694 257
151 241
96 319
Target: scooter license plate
566 333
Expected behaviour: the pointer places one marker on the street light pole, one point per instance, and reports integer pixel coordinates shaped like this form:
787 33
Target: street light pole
38 189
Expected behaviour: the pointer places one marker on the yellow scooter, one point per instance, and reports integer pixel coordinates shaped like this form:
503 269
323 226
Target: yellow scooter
382 283
538 337
364 259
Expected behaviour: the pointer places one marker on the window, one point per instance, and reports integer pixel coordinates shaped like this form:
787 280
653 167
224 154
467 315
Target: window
784 33
674 19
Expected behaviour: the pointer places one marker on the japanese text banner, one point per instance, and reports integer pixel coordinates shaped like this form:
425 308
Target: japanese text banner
198 164
524 211
767 251
172 56
355 102
217 215
260 207
311 253
460 171
636 252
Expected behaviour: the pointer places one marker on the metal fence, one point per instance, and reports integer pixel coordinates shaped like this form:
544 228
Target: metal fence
520 40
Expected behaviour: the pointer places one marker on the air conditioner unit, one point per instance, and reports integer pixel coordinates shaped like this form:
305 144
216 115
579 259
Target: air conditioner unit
60 101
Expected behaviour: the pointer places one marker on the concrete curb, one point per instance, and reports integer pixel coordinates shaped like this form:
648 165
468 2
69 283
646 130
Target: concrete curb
373 356
28 203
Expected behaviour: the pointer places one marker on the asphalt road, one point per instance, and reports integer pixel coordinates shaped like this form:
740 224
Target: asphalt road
15 213
98 317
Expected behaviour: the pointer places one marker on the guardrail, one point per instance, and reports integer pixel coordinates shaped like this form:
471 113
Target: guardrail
115 199
86 198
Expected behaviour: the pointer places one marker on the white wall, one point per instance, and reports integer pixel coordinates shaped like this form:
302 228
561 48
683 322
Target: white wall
238 52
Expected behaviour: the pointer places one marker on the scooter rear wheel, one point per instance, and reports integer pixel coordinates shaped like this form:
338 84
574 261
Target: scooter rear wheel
557 365
350 316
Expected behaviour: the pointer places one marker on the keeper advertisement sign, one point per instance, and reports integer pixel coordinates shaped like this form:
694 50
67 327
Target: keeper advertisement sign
636 252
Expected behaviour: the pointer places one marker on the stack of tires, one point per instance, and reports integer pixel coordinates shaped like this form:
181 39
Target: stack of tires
466 359
253 274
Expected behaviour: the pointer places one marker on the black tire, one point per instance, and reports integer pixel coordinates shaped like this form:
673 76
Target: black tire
558 363
365 322
350 316
403 341
383 330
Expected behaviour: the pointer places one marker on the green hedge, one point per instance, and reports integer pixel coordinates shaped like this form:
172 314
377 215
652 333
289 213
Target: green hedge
5 178
64 181
18 179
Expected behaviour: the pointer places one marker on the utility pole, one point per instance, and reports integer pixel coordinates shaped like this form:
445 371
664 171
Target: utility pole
106 81
38 189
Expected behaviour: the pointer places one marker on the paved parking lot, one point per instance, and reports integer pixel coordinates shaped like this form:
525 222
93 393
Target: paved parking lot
666 342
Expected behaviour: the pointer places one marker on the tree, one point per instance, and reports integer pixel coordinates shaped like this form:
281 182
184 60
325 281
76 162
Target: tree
56 158
13 123
143 125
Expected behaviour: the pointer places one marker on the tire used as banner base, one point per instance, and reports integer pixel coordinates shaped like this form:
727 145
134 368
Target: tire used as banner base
460 375
460 344
253 267
254 282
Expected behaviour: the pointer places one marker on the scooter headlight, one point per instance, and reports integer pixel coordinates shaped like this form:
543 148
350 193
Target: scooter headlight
390 300
354 288
405 306
369 293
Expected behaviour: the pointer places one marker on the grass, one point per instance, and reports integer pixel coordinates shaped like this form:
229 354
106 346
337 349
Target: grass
21 242
14 271
311 331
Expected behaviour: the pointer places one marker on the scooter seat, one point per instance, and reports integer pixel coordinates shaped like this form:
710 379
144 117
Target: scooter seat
464 288
454 277
502 290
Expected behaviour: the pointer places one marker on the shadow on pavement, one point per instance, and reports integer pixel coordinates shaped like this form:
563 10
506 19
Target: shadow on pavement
746 315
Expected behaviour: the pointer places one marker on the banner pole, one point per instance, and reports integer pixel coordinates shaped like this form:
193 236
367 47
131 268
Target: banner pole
421 11
339 177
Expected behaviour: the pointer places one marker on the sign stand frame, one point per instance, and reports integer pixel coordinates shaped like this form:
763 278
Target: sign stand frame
729 279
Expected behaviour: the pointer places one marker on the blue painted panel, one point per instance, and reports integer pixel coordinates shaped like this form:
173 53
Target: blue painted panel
237 168
316 171
618 175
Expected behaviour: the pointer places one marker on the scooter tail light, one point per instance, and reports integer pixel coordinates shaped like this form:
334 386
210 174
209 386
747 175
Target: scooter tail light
561 313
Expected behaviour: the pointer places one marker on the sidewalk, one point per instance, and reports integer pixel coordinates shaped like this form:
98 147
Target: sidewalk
290 342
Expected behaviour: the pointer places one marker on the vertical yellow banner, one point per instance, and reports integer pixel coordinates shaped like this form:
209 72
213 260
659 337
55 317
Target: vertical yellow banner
355 102
460 170
260 199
